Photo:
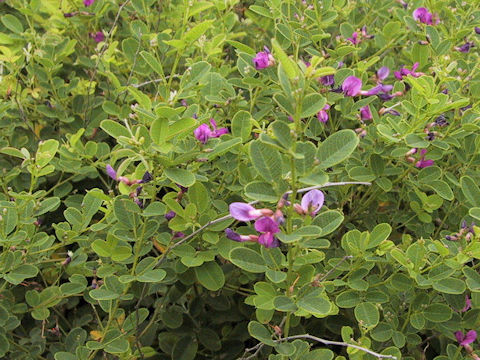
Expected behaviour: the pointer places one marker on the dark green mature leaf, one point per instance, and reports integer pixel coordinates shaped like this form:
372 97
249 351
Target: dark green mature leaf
260 332
185 349
262 191
312 104
266 160
180 176
248 260
336 148
242 125
450 286
126 212
210 275
438 313
367 314
471 190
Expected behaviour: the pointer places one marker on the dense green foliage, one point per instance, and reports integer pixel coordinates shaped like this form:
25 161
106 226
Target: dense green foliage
105 266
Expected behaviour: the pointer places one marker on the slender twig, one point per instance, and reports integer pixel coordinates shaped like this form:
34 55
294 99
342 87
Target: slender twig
152 81
338 343
320 340
335 267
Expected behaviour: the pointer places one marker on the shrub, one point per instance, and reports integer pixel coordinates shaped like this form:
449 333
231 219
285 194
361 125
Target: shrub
239 179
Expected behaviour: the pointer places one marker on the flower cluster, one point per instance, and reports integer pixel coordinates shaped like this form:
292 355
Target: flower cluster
466 231
267 222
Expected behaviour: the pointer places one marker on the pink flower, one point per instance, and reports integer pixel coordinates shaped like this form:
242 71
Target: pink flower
352 86
383 73
365 113
203 132
422 163
423 15
322 115
98 36
464 340
468 304
311 203
88 2
354 39
269 228
263 59
404 72
246 212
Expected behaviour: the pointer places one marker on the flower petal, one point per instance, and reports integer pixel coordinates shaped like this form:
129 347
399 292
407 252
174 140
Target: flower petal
266 224
243 212
312 201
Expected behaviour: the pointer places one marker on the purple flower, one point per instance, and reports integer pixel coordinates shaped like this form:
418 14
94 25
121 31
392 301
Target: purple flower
477 30
441 121
263 59
312 201
269 228
351 86
170 215
404 72
422 163
111 172
69 15
423 15
88 2
232 235
383 73
463 340
98 36
147 177
203 132
322 115
465 48
354 39
377 90
244 212
327 80
468 304
365 113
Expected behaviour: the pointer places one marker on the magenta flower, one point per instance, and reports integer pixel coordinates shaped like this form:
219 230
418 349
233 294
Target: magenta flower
354 39
203 132
232 235
383 73
422 163
404 72
269 228
111 172
423 15
322 115
463 340
352 86
263 59
88 2
246 212
98 36
365 113
468 304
